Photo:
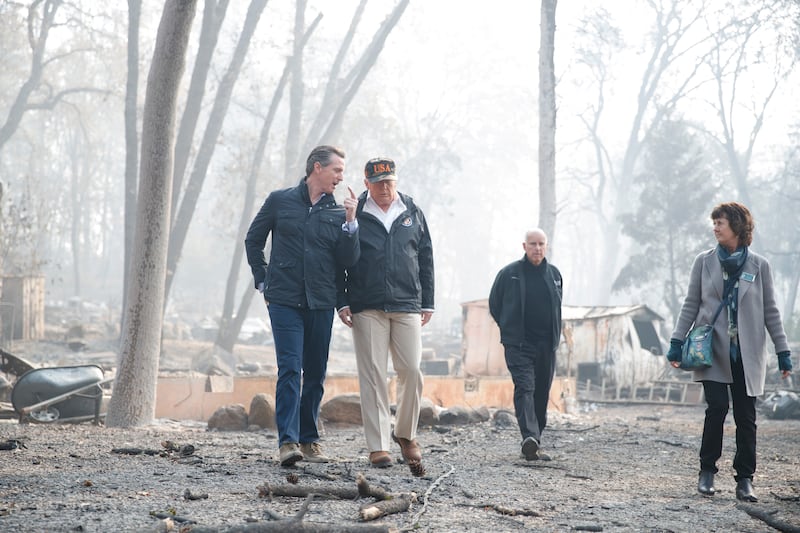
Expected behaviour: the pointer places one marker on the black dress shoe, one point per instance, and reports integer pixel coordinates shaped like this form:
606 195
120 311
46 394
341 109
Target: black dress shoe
744 490
705 483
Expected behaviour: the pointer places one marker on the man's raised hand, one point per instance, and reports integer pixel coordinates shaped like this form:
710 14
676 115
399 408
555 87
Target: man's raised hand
350 204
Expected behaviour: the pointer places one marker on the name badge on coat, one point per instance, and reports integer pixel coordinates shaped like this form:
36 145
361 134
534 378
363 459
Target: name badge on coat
747 276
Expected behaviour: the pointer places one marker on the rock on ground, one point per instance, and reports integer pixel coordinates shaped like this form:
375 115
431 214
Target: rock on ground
613 469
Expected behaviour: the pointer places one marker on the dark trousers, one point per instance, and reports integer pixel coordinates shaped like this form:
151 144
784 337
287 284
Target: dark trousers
302 339
744 415
532 371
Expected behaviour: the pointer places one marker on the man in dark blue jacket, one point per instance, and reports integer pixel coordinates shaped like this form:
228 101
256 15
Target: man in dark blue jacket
388 298
525 301
313 240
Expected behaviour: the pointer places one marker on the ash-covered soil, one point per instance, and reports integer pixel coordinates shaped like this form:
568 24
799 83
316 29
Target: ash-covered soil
613 468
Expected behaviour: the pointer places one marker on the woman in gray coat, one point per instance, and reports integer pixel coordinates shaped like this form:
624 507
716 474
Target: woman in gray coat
732 273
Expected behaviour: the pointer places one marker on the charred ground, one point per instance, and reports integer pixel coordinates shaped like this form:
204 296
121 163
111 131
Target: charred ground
614 468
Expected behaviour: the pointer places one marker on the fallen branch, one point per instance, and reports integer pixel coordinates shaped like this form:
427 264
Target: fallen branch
503 510
296 525
540 464
669 442
780 497
366 490
136 451
578 476
572 430
169 449
292 526
399 503
299 491
768 518
362 490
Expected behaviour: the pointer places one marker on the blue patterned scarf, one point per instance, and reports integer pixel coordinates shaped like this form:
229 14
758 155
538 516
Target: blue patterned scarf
732 266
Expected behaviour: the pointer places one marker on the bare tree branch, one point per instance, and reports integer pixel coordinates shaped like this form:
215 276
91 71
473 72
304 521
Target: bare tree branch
51 102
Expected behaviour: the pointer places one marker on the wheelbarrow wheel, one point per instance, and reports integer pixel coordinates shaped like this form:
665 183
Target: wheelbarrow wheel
48 414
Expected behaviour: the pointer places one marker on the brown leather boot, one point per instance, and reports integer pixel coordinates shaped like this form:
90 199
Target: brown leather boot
411 453
380 459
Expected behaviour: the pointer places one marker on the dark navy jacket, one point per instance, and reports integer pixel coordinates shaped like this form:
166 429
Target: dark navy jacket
395 270
507 302
309 248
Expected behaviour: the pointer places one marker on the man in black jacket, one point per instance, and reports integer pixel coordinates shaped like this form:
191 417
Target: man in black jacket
388 297
313 240
525 301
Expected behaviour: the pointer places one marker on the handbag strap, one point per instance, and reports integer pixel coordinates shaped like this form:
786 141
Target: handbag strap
719 310
726 294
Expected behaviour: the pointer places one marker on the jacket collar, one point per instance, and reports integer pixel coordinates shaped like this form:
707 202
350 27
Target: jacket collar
325 200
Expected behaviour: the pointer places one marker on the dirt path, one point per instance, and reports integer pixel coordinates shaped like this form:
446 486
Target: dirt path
613 469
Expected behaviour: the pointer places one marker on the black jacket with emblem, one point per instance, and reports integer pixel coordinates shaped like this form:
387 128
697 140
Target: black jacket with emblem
395 270
309 248
507 302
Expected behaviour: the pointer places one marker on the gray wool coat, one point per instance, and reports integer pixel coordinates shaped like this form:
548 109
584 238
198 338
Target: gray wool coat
758 315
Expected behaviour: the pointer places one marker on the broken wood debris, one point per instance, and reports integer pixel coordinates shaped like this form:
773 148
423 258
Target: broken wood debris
136 451
502 509
397 504
296 524
169 449
783 498
768 517
386 502
670 443
572 430
293 490
362 490
578 476
539 464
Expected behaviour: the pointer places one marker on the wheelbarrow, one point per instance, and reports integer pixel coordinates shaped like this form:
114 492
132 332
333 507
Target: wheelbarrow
60 394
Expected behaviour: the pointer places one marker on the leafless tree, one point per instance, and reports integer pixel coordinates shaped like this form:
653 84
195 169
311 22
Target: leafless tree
296 90
131 135
191 194
34 93
753 45
547 119
676 52
213 16
342 88
133 400
232 320
337 98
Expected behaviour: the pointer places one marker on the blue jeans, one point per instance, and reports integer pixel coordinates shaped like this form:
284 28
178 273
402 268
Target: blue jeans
302 339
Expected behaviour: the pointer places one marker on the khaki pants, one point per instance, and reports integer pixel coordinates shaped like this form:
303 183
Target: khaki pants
375 335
